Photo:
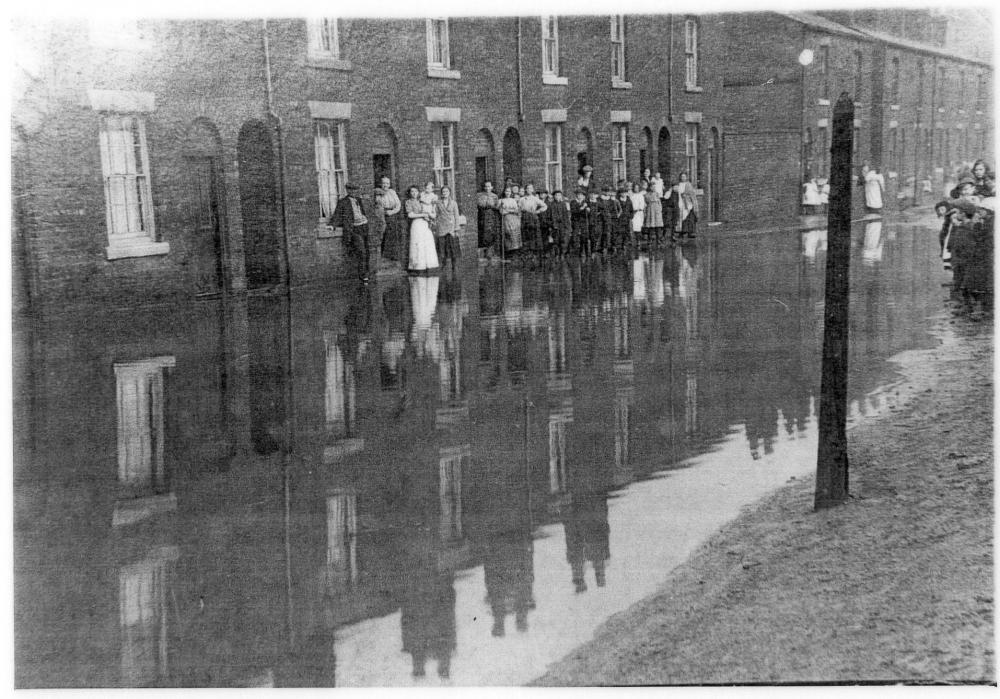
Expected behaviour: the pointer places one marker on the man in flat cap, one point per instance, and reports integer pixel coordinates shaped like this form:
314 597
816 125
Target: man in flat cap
351 216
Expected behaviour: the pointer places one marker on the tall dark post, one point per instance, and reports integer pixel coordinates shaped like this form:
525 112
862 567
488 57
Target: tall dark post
831 464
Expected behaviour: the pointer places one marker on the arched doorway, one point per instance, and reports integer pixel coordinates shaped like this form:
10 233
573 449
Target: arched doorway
512 156
259 205
384 149
584 148
715 176
485 154
206 210
646 152
663 155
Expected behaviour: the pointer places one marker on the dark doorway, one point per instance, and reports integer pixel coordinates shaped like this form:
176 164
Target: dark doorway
643 162
207 223
259 205
584 144
381 167
663 155
482 172
484 153
512 155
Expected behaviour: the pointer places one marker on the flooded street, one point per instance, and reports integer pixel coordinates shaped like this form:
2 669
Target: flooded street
426 480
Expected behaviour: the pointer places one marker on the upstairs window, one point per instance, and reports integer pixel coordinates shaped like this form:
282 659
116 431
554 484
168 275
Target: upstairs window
437 43
550 46
331 164
324 38
691 53
859 63
824 69
444 155
618 48
125 164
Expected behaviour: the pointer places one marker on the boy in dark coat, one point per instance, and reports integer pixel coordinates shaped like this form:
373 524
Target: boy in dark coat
562 226
580 219
351 216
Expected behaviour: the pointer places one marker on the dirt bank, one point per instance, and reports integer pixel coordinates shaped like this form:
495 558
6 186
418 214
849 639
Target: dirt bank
895 585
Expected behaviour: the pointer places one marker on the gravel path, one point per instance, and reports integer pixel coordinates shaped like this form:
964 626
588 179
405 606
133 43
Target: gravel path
895 585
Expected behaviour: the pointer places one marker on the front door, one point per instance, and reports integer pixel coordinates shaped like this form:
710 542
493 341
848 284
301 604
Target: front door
382 167
207 225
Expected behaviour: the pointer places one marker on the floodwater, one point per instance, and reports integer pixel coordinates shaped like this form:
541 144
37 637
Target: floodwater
426 481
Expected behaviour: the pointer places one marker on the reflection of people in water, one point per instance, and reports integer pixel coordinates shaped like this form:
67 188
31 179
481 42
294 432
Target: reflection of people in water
587 533
428 617
508 563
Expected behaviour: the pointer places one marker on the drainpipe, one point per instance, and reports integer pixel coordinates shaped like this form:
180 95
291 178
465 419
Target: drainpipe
520 87
289 373
670 69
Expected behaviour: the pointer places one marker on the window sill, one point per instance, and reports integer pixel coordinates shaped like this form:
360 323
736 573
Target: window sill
940 110
329 63
128 512
823 102
619 84
894 107
693 88
342 448
138 249
554 80
445 73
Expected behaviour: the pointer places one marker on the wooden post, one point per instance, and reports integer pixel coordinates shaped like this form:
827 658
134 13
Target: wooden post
831 463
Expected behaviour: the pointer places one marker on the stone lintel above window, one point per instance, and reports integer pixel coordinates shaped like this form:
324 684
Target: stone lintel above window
444 114
330 110
621 116
553 116
619 84
549 79
121 101
692 117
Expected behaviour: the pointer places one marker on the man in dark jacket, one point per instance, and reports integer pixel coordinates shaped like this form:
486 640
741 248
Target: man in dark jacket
351 216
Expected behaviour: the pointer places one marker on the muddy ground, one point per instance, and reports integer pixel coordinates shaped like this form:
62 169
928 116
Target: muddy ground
895 585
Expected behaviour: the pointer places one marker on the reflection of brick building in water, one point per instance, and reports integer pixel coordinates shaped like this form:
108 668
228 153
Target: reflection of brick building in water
162 158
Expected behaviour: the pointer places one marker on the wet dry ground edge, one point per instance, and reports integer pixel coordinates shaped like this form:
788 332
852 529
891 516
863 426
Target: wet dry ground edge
894 586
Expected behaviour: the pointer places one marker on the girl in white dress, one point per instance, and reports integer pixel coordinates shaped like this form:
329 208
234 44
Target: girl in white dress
423 253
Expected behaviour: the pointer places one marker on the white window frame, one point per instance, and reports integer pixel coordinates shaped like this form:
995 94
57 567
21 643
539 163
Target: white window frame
550 46
330 146
141 426
128 194
324 38
443 144
619 152
691 137
553 157
618 68
691 53
438 53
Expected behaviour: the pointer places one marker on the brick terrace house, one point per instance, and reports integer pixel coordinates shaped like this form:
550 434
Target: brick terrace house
166 158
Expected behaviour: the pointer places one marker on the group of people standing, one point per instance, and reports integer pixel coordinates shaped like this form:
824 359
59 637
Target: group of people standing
420 232
519 222
966 237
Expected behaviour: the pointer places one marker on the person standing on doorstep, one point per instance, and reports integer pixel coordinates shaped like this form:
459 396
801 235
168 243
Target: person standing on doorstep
510 213
376 228
584 182
531 206
393 238
874 184
686 199
488 219
580 219
562 223
447 228
593 221
423 257
622 227
637 197
653 222
351 216
607 209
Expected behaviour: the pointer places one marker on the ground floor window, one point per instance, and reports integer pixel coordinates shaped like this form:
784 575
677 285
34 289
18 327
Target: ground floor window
553 157
444 155
619 148
331 163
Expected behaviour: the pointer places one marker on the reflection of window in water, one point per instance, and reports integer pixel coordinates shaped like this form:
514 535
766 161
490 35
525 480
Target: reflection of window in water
140 423
450 368
691 402
142 603
557 452
687 287
341 539
339 395
450 490
390 370
557 342
623 401
623 349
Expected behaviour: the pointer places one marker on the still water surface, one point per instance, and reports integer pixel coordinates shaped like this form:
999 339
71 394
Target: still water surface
427 481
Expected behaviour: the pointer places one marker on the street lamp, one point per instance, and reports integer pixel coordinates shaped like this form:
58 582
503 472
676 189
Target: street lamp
806 57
